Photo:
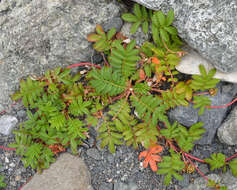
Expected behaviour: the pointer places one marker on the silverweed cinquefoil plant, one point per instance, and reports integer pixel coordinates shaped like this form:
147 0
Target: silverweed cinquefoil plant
130 93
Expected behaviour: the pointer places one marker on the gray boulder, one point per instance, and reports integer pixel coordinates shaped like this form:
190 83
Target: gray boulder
38 35
210 27
212 118
227 133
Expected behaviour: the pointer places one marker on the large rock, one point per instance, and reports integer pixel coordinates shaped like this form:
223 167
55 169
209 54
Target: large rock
212 118
210 27
39 34
227 133
67 173
190 65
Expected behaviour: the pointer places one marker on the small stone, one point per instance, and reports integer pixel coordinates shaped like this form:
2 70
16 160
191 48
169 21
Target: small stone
91 142
94 153
7 123
110 158
6 160
83 72
18 178
186 116
21 114
185 181
203 168
12 165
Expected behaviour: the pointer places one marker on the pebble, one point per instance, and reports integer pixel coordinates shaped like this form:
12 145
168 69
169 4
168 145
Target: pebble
18 178
124 186
21 114
12 165
110 158
7 123
185 181
6 160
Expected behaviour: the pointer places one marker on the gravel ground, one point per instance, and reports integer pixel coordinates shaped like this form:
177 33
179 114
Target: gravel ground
118 171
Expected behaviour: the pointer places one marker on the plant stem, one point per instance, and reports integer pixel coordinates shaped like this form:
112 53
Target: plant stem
80 64
202 93
227 159
199 171
194 158
6 148
223 106
157 90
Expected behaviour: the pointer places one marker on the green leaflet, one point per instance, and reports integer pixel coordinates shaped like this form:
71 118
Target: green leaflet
105 81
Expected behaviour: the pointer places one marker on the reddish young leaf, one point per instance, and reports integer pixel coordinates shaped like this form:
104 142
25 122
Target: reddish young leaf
142 74
93 37
99 29
151 157
155 60
56 148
